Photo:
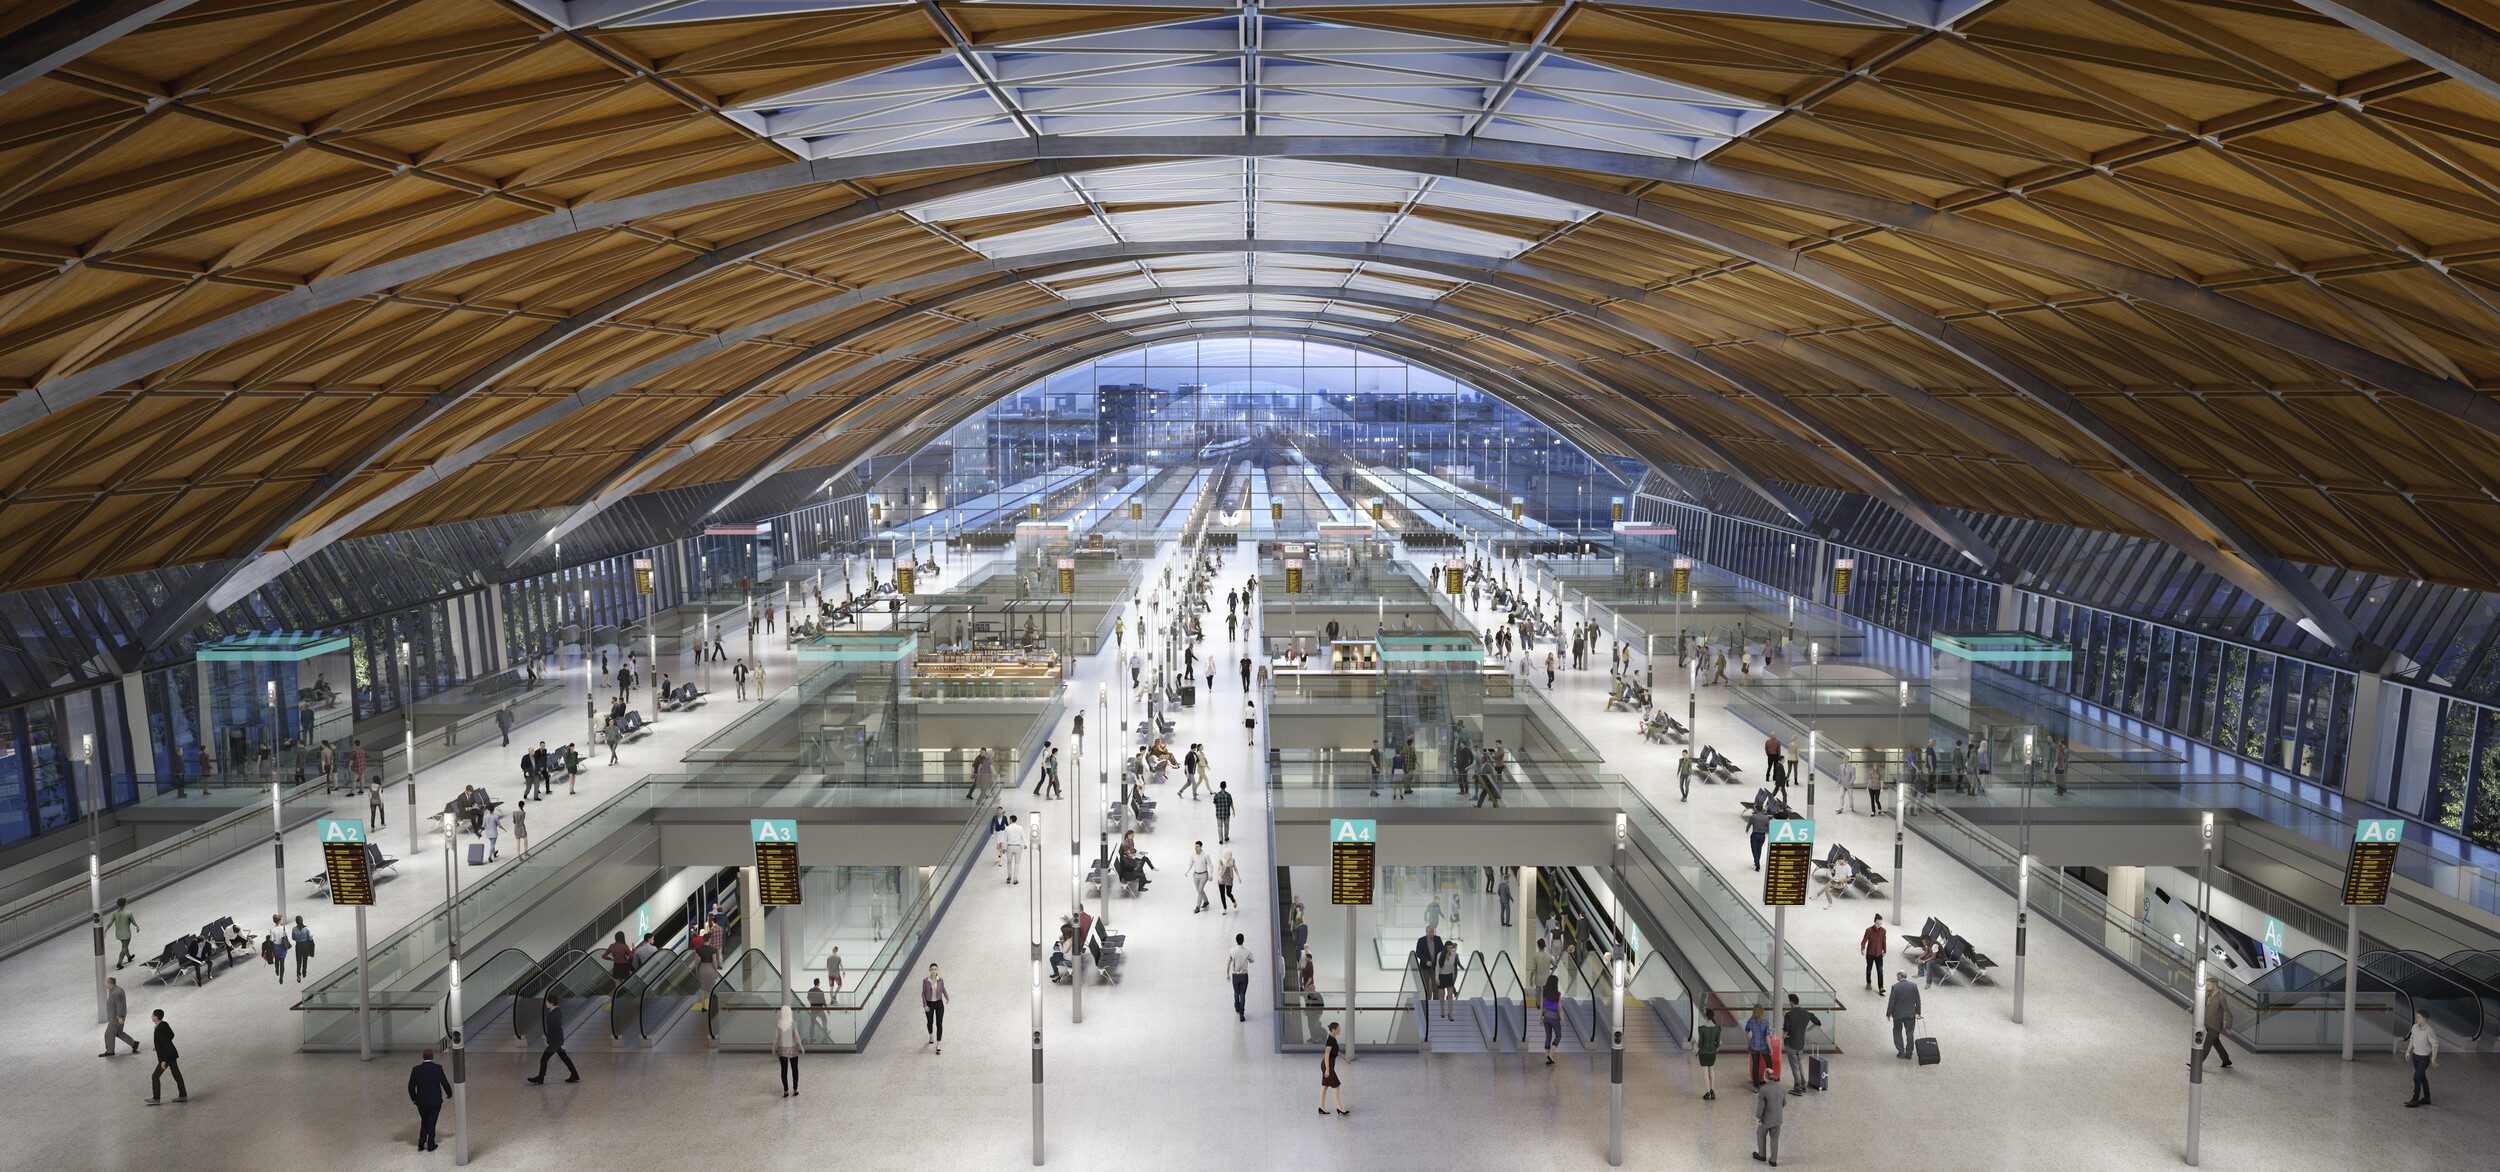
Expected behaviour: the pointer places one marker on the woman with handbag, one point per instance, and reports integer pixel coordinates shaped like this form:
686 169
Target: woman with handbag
786 1050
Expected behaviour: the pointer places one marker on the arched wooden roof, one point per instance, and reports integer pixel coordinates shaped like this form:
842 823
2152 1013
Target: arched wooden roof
2221 273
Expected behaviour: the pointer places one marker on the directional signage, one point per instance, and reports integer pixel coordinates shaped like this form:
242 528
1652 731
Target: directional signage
1035 510
1842 570
1617 509
1351 842
1136 511
1454 580
1517 506
2373 862
343 857
2273 936
642 576
1787 856
902 579
1683 576
1067 575
776 861
1293 575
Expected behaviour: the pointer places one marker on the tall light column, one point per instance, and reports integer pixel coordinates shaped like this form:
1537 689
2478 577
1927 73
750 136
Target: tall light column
2196 1057
1034 878
408 743
94 792
459 1023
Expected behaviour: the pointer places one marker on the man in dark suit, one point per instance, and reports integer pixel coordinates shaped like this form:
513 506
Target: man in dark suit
555 1046
428 1086
168 1060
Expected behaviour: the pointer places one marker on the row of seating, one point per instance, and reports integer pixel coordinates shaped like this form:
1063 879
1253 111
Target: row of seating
632 727
218 944
1710 765
1844 873
1940 946
679 698
1660 728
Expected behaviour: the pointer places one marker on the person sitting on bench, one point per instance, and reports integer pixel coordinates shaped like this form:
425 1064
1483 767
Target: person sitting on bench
201 959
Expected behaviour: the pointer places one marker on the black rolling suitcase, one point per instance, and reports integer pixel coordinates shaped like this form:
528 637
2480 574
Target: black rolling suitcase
1928 1055
477 854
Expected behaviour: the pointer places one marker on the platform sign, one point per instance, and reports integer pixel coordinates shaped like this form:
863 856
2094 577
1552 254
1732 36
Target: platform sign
1351 842
876 510
1616 509
1377 506
1136 511
1517 506
1275 510
2272 937
903 579
1683 577
344 859
2373 862
1067 575
1842 570
776 861
642 576
1034 510
1454 580
1787 856
1293 575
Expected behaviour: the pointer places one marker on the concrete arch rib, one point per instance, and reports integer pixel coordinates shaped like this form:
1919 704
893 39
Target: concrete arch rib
1420 155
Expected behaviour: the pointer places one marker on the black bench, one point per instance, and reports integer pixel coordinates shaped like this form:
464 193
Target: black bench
633 727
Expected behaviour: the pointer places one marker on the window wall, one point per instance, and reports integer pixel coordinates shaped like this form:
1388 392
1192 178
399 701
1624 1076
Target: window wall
1166 404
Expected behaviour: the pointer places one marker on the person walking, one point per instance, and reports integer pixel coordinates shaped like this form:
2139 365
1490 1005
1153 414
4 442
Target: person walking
1549 1013
1375 764
553 1020
1875 782
168 1061
1758 828
1223 812
786 1051
373 805
1250 722
984 776
2217 1021
1227 873
356 765
1328 1080
1245 673
1684 776
2421 1045
503 724
613 735
116 1013
1793 1026
303 938
520 828
275 946
1050 772
492 823
1016 837
1237 966
329 760
1200 870
1502 892
572 769
1772 759
739 674
933 1008
428 1086
124 923
1901 1006
1768 1107
1758 1045
1871 946
1706 1055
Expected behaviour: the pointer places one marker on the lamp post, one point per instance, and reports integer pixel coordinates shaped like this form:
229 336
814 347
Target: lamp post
459 1024
95 870
1814 737
277 814
1076 890
590 683
2022 884
408 743
2196 1058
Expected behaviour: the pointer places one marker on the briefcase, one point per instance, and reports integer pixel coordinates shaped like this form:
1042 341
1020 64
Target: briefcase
1927 1052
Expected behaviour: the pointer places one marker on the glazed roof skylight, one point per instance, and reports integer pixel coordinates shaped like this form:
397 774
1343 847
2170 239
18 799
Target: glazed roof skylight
1251 72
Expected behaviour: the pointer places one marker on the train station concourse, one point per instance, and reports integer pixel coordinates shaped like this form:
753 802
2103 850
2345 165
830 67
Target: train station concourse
1052 583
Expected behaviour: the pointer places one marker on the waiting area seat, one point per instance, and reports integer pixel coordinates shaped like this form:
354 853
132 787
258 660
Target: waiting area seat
680 698
1713 766
218 944
1941 953
1844 873
632 727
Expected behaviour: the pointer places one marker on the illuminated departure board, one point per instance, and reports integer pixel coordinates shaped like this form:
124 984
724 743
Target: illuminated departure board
344 859
776 861
1787 856
1351 843
2373 862
1456 580
1293 575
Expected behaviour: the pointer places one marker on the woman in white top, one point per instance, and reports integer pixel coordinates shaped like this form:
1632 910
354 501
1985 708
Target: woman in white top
787 1049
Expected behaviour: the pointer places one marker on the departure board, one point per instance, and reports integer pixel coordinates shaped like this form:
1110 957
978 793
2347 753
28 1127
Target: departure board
1275 510
2373 863
902 579
343 858
1787 856
1683 576
776 861
1351 843
1842 570
1067 575
1293 575
1456 580
1136 511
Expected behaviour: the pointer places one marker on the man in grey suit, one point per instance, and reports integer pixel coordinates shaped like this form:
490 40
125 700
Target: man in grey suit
555 1046
1901 1005
116 1012
1768 1106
